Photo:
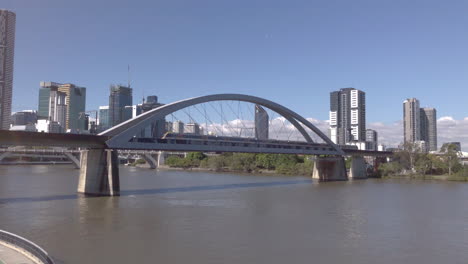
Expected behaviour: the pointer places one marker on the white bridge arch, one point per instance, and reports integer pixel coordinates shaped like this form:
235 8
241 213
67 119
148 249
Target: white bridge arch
121 136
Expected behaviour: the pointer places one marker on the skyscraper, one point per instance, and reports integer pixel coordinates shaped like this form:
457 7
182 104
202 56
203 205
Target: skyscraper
58 107
62 103
76 103
103 122
411 120
120 96
7 52
261 123
347 116
429 127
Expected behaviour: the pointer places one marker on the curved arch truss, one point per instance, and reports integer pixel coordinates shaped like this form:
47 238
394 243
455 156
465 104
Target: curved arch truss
124 134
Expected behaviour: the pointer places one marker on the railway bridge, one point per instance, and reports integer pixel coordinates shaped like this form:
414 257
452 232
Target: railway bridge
99 171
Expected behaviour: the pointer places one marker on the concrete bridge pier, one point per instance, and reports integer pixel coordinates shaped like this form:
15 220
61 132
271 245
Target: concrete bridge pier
358 168
99 174
150 160
162 158
331 168
75 160
4 155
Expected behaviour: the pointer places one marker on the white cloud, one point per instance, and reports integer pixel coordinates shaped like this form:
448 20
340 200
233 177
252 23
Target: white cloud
450 129
390 134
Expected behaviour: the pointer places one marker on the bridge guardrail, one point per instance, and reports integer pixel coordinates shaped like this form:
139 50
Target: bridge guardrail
29 247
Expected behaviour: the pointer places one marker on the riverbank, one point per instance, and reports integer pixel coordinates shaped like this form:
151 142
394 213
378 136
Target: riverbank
223 170
444 177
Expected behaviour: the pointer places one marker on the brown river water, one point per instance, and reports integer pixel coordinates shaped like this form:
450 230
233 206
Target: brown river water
202 218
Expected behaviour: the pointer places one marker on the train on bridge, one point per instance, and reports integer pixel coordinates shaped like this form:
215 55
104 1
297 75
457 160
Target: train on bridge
228 141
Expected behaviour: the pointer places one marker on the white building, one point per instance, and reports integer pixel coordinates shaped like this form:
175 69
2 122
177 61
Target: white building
48 126
58 107
27 127
178 127
192 128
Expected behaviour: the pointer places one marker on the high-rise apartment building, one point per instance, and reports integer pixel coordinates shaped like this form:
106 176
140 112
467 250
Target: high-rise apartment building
429 127
411 120
7 52
261 123
120 97
347 116
420 125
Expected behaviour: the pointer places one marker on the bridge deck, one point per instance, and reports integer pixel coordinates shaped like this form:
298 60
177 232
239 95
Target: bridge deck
21 138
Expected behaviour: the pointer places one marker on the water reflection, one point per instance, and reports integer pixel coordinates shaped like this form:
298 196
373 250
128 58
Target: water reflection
155 191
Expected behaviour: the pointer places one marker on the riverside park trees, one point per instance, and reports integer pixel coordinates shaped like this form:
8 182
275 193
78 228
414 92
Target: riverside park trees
246 162
410 160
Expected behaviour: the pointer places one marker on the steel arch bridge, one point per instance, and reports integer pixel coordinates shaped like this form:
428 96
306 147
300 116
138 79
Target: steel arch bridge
123 136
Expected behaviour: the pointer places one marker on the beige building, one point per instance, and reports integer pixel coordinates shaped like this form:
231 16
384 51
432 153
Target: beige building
75 101
411 120
7 52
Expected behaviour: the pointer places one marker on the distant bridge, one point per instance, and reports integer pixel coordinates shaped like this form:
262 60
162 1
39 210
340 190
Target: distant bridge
99 165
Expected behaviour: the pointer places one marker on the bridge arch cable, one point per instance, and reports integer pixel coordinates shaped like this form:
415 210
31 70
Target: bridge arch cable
241 121
120 136
205 115
237 122
222 120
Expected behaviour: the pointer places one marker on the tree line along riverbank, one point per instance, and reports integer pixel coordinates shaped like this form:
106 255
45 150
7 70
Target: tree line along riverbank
408 163
411 163
245 162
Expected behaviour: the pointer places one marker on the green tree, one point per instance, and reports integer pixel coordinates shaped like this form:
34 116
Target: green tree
423 164
216 163
390 168
243 162
450 157
196 156
266 161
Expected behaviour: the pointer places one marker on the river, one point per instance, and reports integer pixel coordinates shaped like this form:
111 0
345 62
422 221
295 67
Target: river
202 218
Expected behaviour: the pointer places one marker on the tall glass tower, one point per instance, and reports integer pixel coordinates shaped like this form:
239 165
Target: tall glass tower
7 52
120 96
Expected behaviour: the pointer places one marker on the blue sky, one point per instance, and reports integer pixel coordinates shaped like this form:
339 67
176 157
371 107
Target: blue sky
292 52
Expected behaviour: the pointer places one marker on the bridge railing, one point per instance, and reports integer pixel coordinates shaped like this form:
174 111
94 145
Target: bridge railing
28 247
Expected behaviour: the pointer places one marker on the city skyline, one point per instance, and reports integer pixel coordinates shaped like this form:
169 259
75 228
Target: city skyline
171 86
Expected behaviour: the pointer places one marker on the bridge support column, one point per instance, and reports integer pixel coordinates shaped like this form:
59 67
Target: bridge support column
329 169
161 158
75 161
4 155
99 174
150 160
358 168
